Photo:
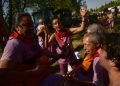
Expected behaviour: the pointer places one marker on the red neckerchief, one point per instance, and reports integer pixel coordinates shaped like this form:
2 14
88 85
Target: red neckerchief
16 35
60 36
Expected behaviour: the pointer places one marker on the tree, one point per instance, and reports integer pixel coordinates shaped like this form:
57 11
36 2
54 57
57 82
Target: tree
10 8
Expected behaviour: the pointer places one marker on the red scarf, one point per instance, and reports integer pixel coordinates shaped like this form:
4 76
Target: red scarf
62 37
16 35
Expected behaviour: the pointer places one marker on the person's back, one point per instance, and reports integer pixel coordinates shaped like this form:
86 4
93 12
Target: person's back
110 58
63 40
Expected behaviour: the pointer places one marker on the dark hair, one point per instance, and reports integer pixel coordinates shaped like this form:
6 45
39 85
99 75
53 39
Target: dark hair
54 17
19 19
113 47
20 16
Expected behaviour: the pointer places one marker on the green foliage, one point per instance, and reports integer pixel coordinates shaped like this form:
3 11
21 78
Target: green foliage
64 4
111 4
106 6
14 7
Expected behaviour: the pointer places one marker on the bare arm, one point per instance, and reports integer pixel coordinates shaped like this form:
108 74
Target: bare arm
10 75
52 37
78 29
46 37
81 28
10 69
40 29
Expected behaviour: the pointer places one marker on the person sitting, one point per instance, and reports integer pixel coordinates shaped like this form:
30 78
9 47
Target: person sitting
93 73
22 56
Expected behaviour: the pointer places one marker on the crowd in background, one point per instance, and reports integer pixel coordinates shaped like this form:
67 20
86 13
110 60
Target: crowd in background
29 52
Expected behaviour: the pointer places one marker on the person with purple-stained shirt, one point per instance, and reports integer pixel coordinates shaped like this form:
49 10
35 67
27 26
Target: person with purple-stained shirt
110 58
92 42
62 38
22 57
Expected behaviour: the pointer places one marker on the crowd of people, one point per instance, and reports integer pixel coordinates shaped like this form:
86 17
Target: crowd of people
28 54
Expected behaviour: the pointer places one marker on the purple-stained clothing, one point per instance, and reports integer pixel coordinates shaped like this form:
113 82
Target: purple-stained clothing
97 74
100 77
64 43
52 80
19 52
85 76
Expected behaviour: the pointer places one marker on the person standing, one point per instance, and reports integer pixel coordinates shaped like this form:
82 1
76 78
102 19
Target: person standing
62 38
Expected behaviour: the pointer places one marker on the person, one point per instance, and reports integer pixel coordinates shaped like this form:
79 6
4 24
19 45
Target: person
22 55
110 58
110 22
95 28
62 39
90 65
42 34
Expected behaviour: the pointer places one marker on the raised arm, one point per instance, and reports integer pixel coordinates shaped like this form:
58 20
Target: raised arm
43 29
82 25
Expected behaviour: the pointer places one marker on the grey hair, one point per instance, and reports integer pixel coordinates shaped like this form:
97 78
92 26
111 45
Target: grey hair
95 28
95 38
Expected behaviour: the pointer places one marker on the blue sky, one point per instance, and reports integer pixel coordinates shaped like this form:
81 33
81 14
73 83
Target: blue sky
96 3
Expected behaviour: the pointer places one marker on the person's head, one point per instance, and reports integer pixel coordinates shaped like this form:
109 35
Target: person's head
110 14
95 28
110 53
92 42
56 23
24 25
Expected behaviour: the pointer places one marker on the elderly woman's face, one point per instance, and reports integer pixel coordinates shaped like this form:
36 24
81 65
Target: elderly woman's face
26 26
